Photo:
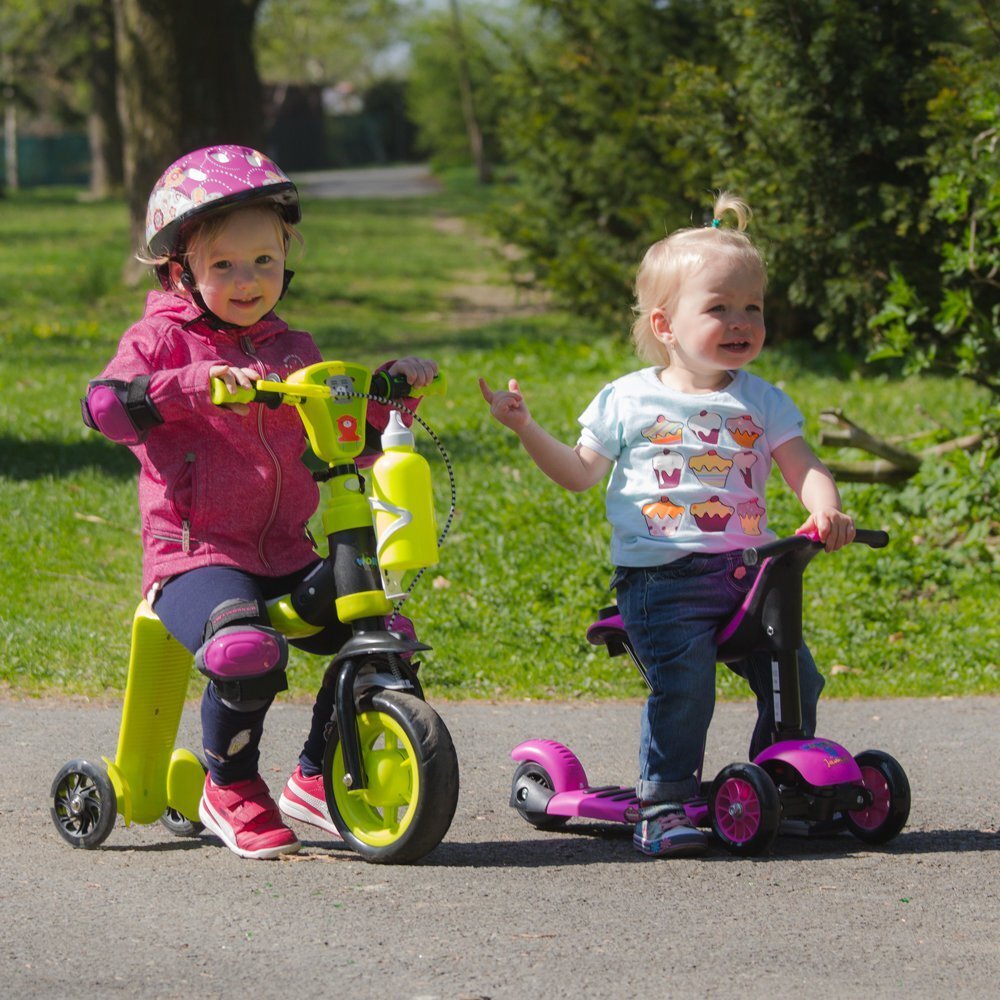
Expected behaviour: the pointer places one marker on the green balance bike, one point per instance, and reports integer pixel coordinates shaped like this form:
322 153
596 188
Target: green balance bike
390 770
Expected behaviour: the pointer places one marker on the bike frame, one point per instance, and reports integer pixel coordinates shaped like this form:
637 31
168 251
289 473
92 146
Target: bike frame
332 400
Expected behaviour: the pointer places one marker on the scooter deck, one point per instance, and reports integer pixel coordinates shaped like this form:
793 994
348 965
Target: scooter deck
613 804
609 803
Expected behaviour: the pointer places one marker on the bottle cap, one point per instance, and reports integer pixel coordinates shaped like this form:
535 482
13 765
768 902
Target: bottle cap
396 433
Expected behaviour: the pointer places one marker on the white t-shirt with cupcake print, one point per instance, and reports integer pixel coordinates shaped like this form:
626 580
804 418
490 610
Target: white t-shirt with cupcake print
690 470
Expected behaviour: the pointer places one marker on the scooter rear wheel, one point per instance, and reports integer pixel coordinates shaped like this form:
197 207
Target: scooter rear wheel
530 773
745 809
885 779
84 805
411 790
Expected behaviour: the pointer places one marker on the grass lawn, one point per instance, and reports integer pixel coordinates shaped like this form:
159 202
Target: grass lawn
526 566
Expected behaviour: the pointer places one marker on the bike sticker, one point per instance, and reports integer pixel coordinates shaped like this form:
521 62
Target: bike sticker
348 428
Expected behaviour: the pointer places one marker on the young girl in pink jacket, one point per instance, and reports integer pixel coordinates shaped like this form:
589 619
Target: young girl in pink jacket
224 497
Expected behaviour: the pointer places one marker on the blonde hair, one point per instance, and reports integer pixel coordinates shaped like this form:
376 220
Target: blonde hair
668 262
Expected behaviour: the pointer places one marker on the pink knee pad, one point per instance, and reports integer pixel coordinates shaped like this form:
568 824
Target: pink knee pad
245 662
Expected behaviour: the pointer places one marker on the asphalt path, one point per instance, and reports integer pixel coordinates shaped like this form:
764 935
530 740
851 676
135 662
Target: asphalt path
405 181
499 909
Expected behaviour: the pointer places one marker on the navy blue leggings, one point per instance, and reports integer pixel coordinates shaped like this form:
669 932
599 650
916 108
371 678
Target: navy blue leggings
231 737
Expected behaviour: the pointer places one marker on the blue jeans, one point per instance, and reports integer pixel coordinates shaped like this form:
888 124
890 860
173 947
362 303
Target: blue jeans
672 614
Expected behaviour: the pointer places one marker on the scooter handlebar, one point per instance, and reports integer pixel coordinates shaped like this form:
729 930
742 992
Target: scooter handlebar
873 538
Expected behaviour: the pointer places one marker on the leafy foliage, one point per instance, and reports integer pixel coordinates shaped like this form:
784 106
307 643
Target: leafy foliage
950 319
832 97
831 117
608 112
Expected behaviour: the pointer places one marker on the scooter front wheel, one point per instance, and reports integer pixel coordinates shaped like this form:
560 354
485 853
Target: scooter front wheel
745 809
411 788
84 805
885 780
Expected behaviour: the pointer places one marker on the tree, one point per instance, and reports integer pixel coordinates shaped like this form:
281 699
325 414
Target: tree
950 319
314 41
100 72
434 94
615 126
67 52
190 80
832 98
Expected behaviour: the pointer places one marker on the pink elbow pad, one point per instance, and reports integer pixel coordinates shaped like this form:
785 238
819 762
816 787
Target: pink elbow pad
110 416
121 411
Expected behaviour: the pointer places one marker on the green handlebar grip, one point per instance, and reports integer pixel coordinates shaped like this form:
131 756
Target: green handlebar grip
221 395
437 388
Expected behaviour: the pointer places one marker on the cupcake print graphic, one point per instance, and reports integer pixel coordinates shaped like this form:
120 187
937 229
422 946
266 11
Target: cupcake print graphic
711 469
711 515
663 431
750 514
744 431
706 426
667 469
663 517
745 461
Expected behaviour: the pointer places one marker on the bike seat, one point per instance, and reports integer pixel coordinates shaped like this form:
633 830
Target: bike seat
608 631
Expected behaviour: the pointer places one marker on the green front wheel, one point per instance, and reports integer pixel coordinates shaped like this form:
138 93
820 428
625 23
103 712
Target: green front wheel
411 788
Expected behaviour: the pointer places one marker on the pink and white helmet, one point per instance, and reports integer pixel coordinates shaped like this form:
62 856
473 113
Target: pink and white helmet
212 178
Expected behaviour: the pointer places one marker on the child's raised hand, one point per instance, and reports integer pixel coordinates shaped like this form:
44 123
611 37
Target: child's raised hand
833 526
418 371
508 407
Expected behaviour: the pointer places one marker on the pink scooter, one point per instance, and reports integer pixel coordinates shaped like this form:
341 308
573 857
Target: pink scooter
803 785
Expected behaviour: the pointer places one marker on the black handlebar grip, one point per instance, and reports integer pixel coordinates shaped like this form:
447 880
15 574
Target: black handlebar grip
390 386
872 538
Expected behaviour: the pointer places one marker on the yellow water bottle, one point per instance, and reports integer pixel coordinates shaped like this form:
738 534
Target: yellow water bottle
403 502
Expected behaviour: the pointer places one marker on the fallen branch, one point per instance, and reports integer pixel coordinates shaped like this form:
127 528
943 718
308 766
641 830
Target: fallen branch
853 436
893 464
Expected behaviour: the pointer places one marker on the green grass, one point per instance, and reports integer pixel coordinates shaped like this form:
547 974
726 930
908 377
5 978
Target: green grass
526 565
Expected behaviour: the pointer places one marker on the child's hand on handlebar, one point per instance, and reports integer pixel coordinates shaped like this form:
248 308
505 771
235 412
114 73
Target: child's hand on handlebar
418 371
833 526
508 407
235 378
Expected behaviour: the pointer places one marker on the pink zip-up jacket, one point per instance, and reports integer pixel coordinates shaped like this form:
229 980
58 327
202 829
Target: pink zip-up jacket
217 488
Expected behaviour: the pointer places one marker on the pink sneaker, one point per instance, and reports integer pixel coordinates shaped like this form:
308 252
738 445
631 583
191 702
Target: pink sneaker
304 799
244 817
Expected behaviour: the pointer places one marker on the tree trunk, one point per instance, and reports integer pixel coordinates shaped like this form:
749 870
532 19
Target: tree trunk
103 127
191 81
474 132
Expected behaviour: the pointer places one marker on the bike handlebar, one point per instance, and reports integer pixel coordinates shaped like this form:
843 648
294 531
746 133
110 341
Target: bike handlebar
274 392
873 538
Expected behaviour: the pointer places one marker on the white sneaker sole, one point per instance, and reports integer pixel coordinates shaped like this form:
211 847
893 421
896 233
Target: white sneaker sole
304 814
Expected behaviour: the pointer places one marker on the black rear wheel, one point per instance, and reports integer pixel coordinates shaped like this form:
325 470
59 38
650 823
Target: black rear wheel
530 779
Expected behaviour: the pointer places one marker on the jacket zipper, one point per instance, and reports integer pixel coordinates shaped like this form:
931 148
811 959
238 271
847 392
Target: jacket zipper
248 347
